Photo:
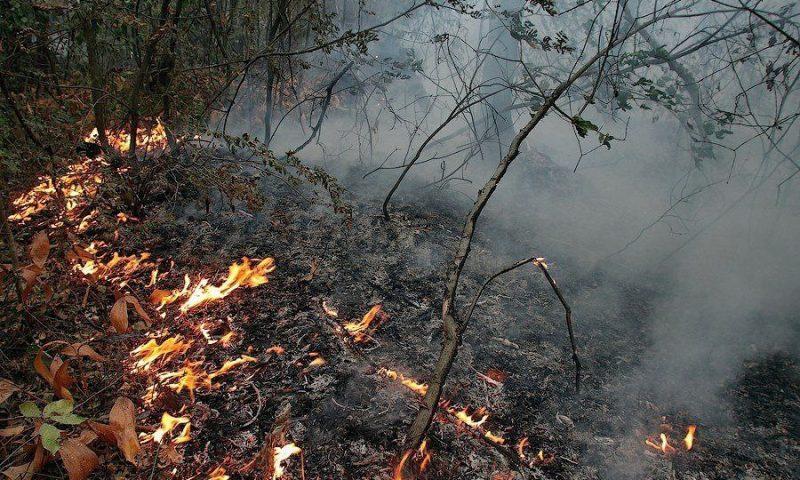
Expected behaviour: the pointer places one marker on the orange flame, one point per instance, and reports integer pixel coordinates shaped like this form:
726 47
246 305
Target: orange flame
281 455
521 447
358 330
230 364
688 440
152 351
663 447
411 384
471 419
147 139
168 423
239 274
218 474
494 438
187 378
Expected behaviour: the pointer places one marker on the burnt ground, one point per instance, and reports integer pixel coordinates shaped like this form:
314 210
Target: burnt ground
349 419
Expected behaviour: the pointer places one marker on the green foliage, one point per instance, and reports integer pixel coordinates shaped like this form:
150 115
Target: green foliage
51 437
59 411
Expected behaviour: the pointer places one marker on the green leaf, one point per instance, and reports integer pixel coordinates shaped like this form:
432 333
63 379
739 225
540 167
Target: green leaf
583 126
51 437
68 419
60 407
30 410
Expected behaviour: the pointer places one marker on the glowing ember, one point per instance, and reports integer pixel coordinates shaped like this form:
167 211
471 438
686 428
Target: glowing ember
283 454
358 330
521 447
329 311
474 420
239 274
688 440
168 423
411 384
494 438
152 351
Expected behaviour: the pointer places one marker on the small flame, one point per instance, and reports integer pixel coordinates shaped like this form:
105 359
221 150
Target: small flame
281 455
521 447
230 364
188 378
168 423
688 440
358 330
475 419
664 446
152 350
218 474
494 438
411 384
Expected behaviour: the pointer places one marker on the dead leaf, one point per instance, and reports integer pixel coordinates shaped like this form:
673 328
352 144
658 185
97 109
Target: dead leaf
138 307
41 369
12 431
62 380
26 471
79 460
119 316
104 432
82 350
6 389
40 249
123 421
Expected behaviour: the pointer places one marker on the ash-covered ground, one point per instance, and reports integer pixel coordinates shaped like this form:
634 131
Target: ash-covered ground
350 419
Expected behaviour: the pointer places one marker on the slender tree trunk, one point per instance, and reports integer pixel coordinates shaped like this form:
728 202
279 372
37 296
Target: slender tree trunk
450 324
96 78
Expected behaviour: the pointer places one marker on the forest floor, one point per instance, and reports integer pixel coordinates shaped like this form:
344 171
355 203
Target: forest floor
304 379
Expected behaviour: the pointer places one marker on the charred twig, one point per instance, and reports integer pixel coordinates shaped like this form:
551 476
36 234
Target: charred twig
538 262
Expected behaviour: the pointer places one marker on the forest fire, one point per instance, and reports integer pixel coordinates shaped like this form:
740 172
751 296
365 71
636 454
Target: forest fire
79 183
147 139
662 443
360 330
239 275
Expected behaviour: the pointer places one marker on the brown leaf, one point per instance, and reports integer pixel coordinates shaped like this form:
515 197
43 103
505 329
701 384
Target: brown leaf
29 274
40 249
87 436
159 295
41 369
82 350
62 381
123 420
78 459
119 316
6 389
12 431
26 471
104 432
138 307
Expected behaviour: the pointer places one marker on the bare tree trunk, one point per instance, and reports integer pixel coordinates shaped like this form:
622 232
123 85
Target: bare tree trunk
96 79
450 324
11 244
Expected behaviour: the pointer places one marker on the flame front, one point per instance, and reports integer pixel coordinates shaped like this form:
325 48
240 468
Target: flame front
410 383
152 350
239 275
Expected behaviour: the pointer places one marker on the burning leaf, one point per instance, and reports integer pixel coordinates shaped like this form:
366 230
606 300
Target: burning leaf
187 378
230 364
359 330
218 474
78 459
40 249
239 274
168 423
152 351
